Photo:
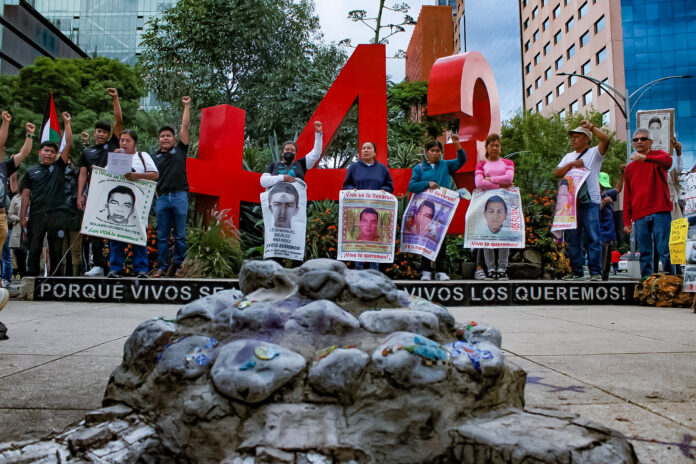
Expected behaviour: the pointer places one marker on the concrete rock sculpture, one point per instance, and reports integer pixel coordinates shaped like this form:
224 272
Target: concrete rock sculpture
319 364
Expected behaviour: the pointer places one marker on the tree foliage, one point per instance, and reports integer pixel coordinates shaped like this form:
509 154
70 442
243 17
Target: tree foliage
264 56
375 24
78 86
537 144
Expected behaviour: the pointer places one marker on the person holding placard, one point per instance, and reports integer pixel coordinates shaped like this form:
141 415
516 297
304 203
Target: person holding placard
494 173
368 174
142 168
434 173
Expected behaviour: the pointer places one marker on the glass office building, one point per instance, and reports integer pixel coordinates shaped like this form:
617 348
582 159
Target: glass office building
25 35
660 41
104 28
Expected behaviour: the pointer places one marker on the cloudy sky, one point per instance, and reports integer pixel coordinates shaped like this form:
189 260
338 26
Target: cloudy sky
501 43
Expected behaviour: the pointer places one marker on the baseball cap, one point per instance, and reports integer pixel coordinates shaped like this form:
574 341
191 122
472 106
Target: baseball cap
604 180
581 130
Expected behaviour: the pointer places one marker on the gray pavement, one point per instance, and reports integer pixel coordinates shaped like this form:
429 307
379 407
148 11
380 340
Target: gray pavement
628 367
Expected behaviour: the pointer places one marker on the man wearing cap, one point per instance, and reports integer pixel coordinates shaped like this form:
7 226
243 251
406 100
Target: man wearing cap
647 204
606 222
588 199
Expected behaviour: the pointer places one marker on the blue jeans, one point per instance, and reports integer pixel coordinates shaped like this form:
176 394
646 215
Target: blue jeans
588 224
171 211
653 228
117 252
6 272
361 265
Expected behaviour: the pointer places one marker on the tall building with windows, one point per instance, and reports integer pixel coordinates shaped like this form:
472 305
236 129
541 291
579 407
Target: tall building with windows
660 41
574 37
104 28
431 39
26 35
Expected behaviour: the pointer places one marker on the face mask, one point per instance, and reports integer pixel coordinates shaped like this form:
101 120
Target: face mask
288 156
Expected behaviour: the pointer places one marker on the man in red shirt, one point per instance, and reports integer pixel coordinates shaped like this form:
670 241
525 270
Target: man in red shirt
647 205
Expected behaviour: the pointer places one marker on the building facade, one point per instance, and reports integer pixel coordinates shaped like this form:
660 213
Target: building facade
431 39
574 37
104 28
26 35
660 41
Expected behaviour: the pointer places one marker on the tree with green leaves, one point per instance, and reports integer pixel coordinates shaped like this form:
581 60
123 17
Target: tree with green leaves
264 56
78 86
537 143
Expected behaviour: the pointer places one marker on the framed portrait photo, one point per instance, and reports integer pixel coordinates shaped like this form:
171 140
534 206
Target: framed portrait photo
660 123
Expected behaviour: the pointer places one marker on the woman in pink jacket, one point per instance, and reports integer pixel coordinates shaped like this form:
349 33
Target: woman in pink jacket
495 172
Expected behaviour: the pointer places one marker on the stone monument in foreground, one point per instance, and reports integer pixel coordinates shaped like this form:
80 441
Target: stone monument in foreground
320 364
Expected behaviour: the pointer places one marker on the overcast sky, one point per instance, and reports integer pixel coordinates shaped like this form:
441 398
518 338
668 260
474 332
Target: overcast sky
333 16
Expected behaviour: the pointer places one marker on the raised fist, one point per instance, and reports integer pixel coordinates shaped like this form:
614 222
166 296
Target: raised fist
111 91
30 128
186 100
317 126
85 137
6 116
66 117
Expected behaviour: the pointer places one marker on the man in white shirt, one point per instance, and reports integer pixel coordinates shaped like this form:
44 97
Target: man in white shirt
588 199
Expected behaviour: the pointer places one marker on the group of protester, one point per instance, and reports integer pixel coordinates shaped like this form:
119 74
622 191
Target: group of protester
47 202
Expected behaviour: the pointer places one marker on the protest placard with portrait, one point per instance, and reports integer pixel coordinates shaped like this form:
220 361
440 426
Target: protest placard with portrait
565 216
426 220
366 226
284 207
660 124
118 208
495 219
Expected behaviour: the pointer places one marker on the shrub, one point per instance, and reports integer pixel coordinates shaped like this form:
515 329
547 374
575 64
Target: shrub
322 230
213 250
538 213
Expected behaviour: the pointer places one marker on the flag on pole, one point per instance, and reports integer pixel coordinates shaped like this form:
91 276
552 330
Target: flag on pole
50 129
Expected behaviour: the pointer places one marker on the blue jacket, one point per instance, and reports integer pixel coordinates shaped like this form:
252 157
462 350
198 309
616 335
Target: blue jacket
441 174
363 176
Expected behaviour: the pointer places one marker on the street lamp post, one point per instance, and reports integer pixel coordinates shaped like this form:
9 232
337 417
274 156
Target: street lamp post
623 105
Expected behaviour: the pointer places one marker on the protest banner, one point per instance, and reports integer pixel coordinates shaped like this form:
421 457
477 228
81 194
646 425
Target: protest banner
366 226
690 278
568 187
118 208
284 209
687 192
495 219
677 241
425 221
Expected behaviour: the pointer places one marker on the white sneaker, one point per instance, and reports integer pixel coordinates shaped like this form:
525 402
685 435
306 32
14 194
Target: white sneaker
4 297
479 274
427 276
96 271
5 283
441 276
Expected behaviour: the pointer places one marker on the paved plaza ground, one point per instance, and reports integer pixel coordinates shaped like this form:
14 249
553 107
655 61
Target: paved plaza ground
628 367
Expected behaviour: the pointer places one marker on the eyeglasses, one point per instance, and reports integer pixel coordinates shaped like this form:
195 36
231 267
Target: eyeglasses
641 139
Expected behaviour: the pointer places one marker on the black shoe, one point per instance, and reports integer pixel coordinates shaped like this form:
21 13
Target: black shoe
142 275
113 275
3 332
491 275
